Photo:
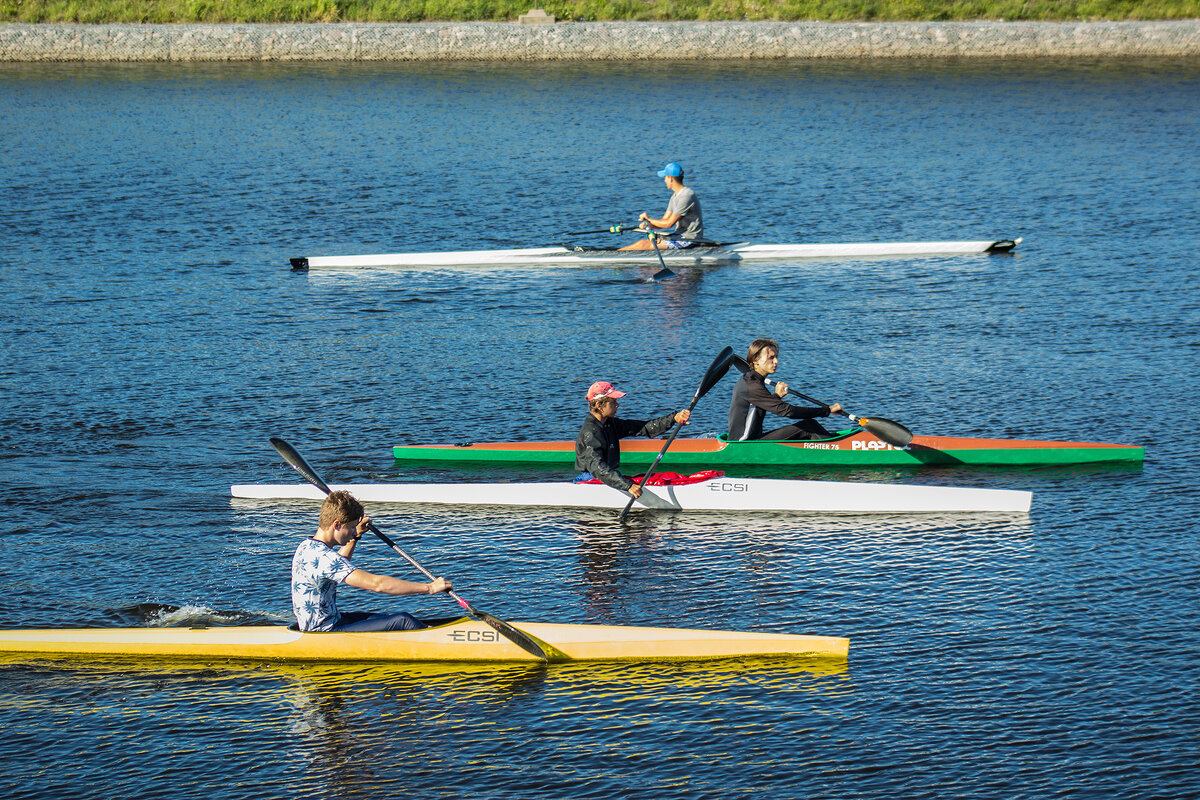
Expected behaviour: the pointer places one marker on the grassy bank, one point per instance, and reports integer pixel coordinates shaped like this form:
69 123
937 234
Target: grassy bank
98 11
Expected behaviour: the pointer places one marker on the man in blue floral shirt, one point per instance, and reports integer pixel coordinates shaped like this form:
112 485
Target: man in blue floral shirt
323 561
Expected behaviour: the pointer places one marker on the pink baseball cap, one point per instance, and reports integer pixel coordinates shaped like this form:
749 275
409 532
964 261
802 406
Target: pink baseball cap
603 389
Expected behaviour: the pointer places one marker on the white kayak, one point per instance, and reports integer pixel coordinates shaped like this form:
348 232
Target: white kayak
715 494
697 255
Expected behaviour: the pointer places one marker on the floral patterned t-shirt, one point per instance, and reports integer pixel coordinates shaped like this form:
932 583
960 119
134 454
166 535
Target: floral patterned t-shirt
317 569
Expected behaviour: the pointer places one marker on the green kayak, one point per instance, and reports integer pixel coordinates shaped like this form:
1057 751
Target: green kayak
854 448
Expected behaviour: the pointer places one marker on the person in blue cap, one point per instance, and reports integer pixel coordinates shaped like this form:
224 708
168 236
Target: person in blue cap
683 214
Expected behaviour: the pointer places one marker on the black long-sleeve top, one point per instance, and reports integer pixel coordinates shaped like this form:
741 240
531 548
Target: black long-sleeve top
598 446
752 401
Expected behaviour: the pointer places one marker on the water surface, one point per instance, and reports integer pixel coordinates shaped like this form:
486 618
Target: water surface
153 338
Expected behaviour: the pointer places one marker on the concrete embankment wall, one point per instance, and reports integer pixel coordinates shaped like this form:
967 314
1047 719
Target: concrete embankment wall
595 41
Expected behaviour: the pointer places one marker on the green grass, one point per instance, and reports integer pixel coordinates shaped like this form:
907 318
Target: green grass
97 11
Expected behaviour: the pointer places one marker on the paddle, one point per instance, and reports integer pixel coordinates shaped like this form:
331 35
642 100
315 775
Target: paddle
888 430
660 275
529 644
716 371
609 229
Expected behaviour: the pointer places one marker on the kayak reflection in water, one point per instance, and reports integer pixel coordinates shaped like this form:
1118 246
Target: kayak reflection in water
598 446
683 212
752 401
322 562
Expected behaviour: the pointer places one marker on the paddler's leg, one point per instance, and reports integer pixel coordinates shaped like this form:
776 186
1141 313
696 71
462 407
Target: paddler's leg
359 622
804 430
640 244
664 243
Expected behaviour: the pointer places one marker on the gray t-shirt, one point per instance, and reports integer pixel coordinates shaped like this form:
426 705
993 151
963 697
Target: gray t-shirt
687 206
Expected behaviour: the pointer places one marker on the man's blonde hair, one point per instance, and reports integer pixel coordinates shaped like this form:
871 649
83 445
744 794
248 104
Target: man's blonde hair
339 508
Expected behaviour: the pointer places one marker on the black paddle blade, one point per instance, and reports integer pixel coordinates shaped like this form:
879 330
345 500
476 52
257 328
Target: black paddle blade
888 430
661 275
742 364
716 371
532 645
298 463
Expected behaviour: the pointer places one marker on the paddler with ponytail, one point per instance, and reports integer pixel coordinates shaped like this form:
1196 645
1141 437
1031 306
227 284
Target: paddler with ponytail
598 448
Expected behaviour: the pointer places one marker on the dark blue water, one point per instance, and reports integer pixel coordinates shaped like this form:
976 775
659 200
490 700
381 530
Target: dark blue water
153 338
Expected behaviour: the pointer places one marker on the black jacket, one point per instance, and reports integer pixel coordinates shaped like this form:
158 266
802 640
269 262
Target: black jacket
598 446
752 400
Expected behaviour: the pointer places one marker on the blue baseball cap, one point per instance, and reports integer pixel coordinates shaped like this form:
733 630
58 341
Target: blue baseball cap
672 169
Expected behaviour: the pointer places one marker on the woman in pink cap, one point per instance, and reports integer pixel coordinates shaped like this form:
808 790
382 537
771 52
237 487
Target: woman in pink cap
598 446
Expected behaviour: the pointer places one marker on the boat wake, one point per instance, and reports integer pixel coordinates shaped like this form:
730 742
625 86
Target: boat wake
162 615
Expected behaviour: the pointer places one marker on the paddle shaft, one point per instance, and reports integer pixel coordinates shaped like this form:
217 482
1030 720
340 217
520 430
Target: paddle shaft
386 540
888 430
609 229
522 640
802 396
663 264
744 366
716 371
674 432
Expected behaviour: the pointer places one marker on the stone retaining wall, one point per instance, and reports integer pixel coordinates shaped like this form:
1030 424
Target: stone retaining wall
595 41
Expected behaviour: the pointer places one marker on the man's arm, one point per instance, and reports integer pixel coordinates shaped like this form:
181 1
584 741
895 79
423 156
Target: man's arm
763 398
675 211
362 527
663 424
668 219
383 584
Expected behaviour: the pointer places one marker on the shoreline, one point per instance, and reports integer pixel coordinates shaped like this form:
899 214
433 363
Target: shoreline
593 41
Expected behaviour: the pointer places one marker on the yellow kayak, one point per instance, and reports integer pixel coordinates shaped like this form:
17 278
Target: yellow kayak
461 639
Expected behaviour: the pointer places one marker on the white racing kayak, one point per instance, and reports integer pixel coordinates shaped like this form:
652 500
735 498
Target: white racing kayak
697 255
715 494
